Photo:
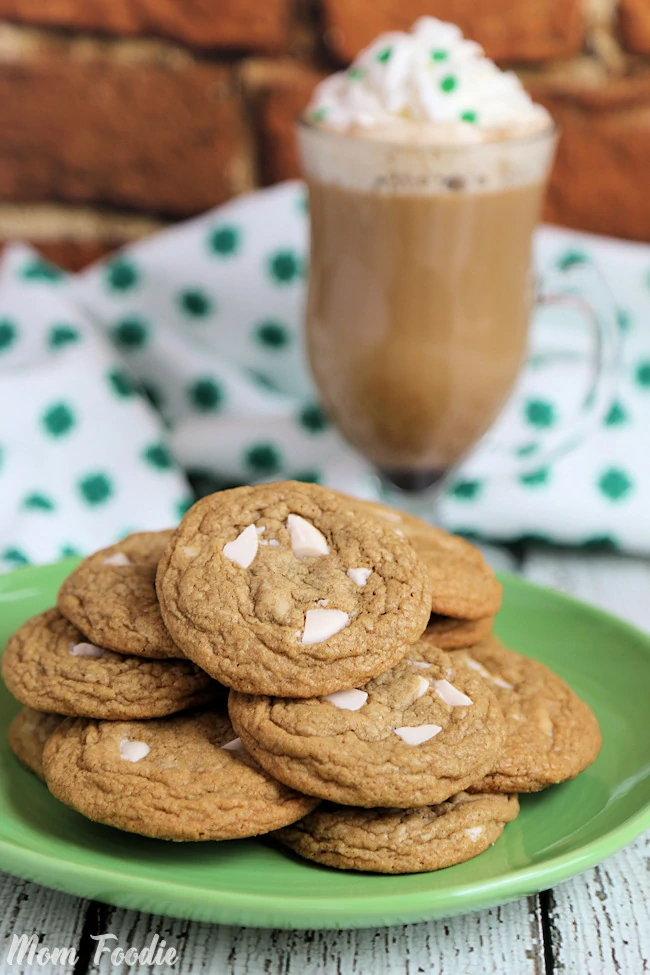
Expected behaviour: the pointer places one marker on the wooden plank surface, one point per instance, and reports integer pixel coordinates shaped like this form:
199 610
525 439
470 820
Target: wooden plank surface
596 924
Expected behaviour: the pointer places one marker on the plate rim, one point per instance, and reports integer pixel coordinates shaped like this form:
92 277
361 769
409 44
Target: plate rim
241 908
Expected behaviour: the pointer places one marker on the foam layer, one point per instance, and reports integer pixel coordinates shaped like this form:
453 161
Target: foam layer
418 168
428 85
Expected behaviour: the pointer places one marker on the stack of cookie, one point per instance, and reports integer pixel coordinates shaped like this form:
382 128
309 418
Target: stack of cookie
326 617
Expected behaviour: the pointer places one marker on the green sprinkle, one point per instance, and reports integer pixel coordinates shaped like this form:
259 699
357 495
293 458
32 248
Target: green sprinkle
355 74
448 84
319 115
439 55
384 56
469 117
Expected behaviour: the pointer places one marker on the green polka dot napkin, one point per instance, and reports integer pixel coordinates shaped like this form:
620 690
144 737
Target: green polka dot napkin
83 458
186 349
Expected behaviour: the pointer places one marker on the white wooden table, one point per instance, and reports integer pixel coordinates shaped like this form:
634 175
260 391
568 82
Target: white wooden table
595 924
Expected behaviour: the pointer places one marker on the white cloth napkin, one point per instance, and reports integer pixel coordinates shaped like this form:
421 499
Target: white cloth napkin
206 320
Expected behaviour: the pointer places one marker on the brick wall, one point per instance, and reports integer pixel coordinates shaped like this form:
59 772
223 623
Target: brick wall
117 116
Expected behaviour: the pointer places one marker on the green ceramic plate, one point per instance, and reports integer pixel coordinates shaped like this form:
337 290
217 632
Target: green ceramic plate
559 832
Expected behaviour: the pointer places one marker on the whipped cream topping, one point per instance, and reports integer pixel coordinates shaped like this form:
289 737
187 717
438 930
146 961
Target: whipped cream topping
430 84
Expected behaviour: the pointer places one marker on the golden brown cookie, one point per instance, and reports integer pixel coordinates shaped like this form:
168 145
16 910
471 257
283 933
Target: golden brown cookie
49 665
462 583
409 737
27 735
111 597
179 778
401 840
452 634
552 734
280 589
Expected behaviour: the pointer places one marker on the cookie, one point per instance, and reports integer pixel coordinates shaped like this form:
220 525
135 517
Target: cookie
49 665
28 733
462 583
409 737
280 589
179 778
551 734
452 634
401 840
111 597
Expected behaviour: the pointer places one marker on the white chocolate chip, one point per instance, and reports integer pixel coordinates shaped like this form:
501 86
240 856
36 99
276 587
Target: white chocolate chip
389 515
484 672
416 736
398 531
359 576
306 540
347 700
474 832
544 722
451 695
243 549
323 602
478 667
191 552
86 650
418 663
274 542
260 531
133 751
233 746
423 686
320 624
119 558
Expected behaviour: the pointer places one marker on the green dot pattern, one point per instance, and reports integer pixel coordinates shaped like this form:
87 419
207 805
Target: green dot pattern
39 269
61 335
131 334
158 456
38 502
58 420
121 383
617 415
312 419
8 334
536 478
206 395
571 258
540 413
122 275
96 488
615 484
263 459
225 240
468 490
195 303
15 556
642 374
285 267
272 334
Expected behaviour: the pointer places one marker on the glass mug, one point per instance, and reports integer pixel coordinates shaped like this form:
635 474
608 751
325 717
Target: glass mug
421 292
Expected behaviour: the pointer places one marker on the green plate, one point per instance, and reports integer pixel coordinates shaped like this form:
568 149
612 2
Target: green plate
559 832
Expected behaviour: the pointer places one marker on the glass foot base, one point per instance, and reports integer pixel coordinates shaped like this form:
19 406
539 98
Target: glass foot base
415 492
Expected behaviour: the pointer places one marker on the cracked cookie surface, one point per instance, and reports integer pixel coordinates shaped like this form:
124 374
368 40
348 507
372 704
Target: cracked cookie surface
49 665
552 735
462 583
280 589
27 735
169 779
413 736
401 840
111 597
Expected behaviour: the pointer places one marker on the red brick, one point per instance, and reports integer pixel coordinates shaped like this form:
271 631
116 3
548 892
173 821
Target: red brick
279 91
257 25
158 137
599 182
509 30
634 25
